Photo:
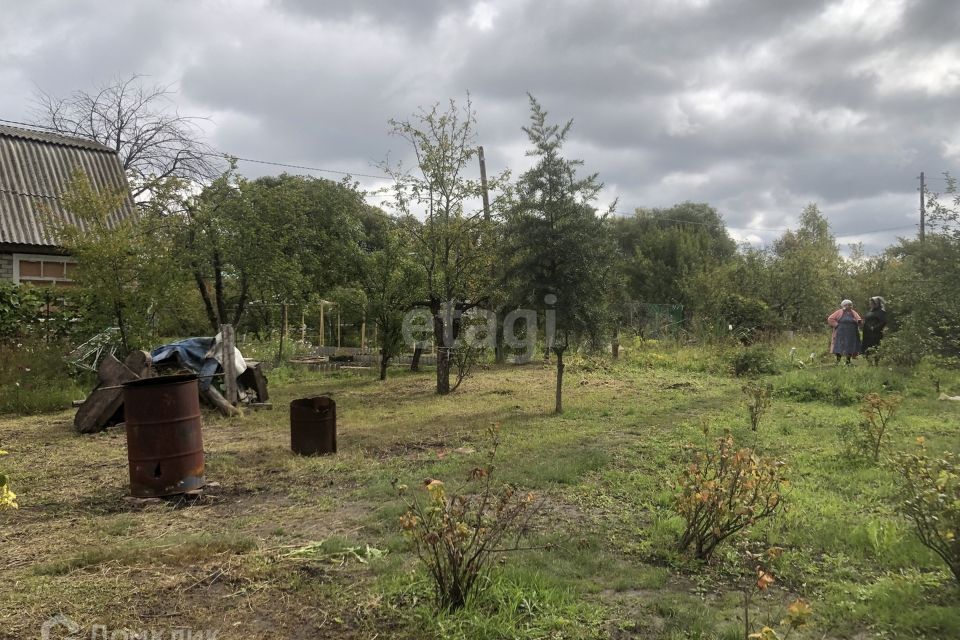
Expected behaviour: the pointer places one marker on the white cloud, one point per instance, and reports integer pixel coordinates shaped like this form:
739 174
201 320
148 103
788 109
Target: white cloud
870 19
936 73
482 16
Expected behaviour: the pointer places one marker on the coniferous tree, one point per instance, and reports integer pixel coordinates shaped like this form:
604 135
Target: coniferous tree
560 253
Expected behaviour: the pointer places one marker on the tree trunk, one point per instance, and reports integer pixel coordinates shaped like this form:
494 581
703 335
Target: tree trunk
500 350
415 360
241 301
283 334
207 302
122 326
560 366
218 290
384 359
443 356
443 371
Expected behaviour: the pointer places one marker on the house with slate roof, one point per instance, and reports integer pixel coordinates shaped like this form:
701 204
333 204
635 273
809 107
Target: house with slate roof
35 169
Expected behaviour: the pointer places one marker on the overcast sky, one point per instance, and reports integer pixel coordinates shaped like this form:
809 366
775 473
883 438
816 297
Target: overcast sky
757 107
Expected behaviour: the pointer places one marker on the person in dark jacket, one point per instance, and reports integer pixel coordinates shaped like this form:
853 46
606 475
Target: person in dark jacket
873 323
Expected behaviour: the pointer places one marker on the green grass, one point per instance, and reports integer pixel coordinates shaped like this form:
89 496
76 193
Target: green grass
34 378
279 550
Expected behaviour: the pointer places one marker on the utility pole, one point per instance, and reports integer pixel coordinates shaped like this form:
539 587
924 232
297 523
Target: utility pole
483 184
923 211
499 353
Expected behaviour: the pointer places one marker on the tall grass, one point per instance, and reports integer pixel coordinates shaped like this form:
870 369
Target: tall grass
35 378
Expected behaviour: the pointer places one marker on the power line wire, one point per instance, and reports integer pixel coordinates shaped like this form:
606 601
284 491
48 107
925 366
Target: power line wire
220 154
380 177
30 126
299 166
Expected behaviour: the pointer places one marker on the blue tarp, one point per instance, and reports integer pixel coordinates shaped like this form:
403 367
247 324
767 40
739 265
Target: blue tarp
192 354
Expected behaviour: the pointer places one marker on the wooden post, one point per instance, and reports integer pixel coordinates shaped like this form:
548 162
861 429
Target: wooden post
923 211
283 333
322 340
228 343
483 184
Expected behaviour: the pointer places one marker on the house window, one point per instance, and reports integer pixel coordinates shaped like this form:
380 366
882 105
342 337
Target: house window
43 270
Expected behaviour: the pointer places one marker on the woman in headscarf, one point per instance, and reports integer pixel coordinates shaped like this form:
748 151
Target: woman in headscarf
873 323
846 324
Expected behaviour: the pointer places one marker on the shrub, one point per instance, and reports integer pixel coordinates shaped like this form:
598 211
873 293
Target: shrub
865 438
798 615
456 534
42 312
8 499
758 401
874 427
798 612
753 360
724 490
930 497
746 317
817 386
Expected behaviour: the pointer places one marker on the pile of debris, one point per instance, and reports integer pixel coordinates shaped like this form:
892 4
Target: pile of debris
242 381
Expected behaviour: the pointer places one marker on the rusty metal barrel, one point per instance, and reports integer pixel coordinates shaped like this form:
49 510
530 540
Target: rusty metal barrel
313 425
164 437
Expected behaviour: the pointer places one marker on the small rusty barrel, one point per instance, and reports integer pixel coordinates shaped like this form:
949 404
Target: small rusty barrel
164 438
313 425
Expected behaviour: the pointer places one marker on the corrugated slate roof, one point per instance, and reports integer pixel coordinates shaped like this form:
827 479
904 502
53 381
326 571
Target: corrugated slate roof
52 138
35 168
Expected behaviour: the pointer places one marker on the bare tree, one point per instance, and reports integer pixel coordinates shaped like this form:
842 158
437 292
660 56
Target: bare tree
141 122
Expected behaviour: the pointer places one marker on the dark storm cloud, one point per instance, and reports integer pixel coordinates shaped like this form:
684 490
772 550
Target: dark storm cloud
757 107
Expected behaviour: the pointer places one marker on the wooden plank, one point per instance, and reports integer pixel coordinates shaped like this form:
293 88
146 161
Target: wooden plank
103 403
113 372
229 364
139 362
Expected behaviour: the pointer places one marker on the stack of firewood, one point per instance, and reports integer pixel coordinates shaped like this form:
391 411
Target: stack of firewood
104 406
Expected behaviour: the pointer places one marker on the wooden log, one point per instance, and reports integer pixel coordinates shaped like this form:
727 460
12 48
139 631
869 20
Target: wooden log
253 378
216 399
101 405
229 364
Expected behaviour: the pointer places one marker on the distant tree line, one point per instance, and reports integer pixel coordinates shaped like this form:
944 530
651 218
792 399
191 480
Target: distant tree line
234 250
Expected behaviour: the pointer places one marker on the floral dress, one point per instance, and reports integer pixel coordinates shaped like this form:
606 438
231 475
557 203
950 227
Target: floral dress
846 332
